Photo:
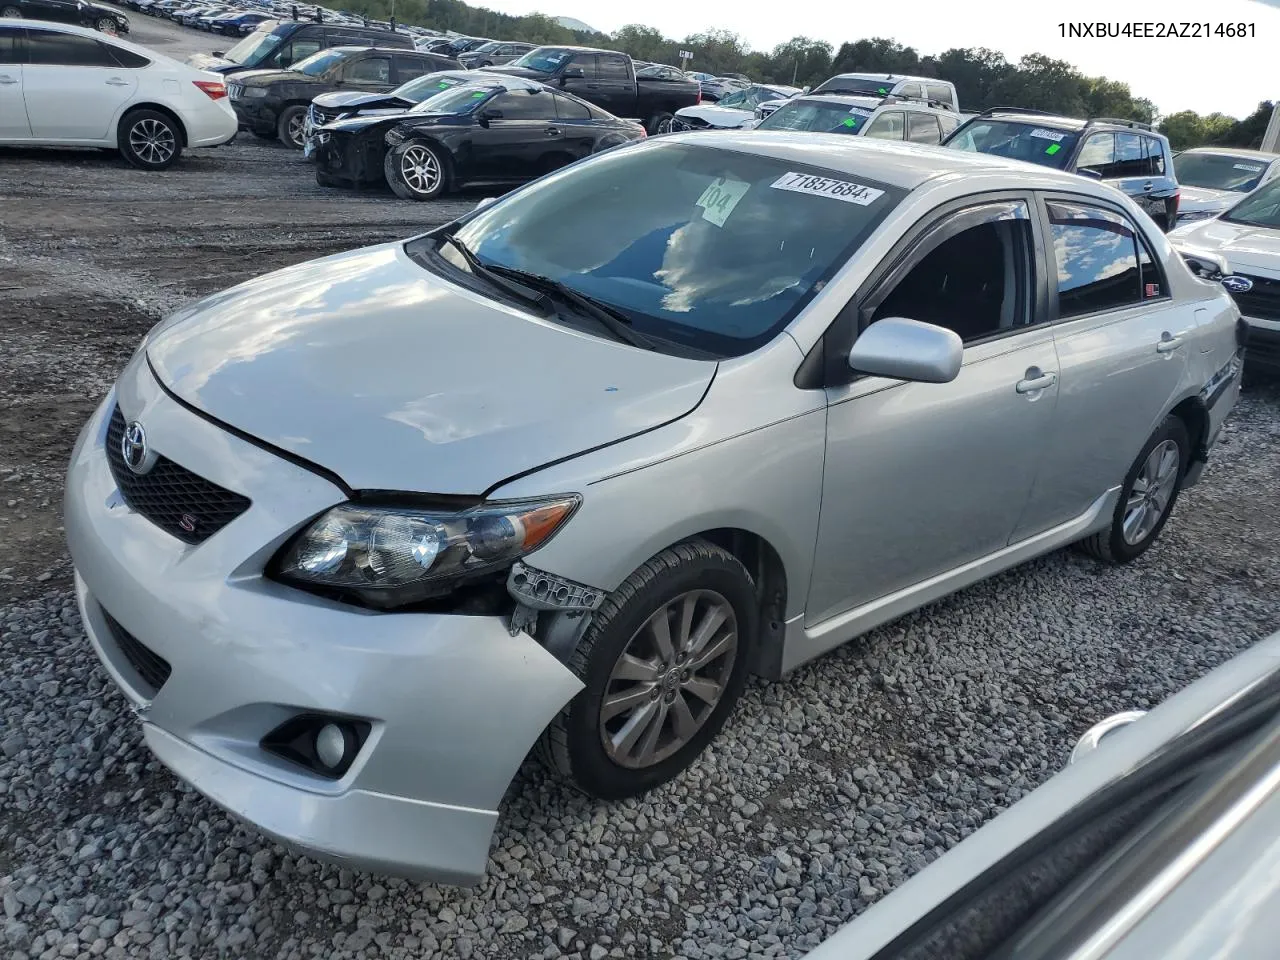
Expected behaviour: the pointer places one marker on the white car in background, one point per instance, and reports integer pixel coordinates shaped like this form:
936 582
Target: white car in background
881 119
732 112
1214 178
74 87
1243 244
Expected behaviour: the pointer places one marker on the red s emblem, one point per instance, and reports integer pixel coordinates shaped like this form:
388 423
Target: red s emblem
187 523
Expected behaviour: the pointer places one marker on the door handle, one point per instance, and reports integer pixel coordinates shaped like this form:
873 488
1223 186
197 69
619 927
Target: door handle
553 131
1147 185
117 82
1035 381
1168 344
6 79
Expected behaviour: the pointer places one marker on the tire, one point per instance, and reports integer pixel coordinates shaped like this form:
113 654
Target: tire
12 12
290 126
108 26
574 743
421 157
149 139
657 123
1139 494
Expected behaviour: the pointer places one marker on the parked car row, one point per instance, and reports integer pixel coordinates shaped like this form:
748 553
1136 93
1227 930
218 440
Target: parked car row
76 12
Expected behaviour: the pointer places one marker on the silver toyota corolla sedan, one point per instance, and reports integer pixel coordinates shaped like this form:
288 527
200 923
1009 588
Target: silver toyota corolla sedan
354 536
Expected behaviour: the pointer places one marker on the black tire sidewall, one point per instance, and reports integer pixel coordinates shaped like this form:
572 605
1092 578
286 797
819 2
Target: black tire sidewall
656 121
591 766
126 151
282 125
1172 429
391 170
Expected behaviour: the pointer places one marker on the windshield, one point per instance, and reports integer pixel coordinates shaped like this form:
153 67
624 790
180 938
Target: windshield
254 48
420 88
543 59
1020 141
319 63
715 250
1219 171
854 85
1260 209
457 100
817 116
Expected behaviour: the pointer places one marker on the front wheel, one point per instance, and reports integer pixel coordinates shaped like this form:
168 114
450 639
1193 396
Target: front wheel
108 26
291 126
415 171
1147 496
659 123
12 12
149 139
663 663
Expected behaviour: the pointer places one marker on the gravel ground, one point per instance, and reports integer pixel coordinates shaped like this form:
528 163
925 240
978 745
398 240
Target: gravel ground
824 792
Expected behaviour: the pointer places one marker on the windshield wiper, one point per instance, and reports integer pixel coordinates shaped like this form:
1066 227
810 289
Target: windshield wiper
611 318
478 268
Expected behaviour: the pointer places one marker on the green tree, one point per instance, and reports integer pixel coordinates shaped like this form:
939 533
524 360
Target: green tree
800 61
875 56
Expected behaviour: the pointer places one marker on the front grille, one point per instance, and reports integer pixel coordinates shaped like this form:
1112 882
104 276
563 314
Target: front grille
320 117
150 667
235 90
1263 301
172 497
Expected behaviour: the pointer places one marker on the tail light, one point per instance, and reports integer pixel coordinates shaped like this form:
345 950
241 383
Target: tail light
214 89
699 95
1177 201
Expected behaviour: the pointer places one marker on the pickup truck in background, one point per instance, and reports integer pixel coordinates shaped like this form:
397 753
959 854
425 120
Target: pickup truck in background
607 79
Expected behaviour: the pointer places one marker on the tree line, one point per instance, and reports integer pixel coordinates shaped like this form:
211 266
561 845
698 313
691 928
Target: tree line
983 78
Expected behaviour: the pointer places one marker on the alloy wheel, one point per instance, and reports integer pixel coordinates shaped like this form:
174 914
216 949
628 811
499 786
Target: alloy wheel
666 125
108 26
669 678
152 141
12 12
297 129
420 170
1152 491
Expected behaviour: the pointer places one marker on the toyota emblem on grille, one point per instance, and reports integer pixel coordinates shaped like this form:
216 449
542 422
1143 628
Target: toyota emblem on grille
1237 284
133 447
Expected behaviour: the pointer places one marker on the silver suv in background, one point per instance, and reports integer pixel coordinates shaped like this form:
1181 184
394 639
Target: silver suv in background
889 118
354 535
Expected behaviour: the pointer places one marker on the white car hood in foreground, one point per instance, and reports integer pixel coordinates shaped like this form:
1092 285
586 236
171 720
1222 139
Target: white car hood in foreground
727 118
1256 248
370 365
1197 199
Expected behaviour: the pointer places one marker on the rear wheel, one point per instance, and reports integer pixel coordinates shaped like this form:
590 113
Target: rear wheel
13 12
415 171
149 139
1147 496
659 123
108 26
290 127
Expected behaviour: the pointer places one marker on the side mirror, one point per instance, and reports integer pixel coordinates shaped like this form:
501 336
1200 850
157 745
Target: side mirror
219 54
806 89
903 349
572 73
1094 735
1208 265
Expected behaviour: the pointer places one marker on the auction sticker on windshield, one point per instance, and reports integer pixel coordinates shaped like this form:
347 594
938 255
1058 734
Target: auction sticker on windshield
826 187
1054 135
1252 168
719 199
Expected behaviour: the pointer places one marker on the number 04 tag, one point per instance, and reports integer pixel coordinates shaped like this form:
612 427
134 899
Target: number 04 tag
719 199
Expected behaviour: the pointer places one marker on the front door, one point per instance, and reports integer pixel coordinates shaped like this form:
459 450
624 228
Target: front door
1123 347
922 478
368 74
13 109
518 144
73 87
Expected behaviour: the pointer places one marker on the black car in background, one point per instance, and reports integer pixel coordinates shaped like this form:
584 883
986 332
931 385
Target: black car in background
344 104
490 129
607 79
1124 153
273 103
275 45
75 12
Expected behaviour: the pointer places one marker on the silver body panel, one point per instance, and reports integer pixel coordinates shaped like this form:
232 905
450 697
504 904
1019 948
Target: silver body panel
877 497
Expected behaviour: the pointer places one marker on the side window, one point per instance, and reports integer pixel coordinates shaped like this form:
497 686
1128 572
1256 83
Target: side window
911 90
977 281
587 62
1155 157
948 124
67 50
941 92
1131 158
10 48
1097 154
524 106
128 59
300 50
887 126
370 70
922 128
405 68
567 109
1097 258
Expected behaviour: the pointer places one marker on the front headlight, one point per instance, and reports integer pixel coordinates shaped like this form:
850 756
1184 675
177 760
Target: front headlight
392 556
254 92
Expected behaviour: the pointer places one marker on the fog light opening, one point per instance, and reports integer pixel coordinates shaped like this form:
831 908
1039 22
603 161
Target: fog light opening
325 745
333 743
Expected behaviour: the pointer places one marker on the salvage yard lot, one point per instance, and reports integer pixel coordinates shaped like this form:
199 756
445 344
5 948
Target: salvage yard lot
824 791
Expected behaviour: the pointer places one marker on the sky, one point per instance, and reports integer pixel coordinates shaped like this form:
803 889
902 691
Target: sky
1224 74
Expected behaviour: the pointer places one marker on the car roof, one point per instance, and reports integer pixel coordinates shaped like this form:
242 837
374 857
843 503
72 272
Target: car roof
1075 124
885 76
1236 152
484 78
844 99
896 163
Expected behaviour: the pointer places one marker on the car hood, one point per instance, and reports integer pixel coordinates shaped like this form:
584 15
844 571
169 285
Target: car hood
1242 245
353 101
518 72
1195 199
726 117
264 78
369 365
205 61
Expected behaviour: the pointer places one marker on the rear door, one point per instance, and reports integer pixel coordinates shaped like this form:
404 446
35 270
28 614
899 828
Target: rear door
1132 173
617 85
577 129
1123 347
13 109
73 87
407 66
886 125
